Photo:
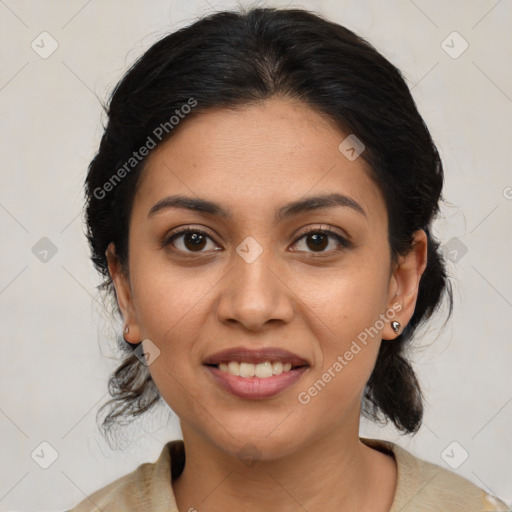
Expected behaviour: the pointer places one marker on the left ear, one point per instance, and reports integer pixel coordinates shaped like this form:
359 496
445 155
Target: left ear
404 283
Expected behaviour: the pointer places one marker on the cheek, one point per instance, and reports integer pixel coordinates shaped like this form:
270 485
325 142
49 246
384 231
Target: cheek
170 312
344 313
168 300
344 300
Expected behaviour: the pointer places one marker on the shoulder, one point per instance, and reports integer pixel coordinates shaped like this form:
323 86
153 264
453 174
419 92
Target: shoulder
425 486
148 487
120 495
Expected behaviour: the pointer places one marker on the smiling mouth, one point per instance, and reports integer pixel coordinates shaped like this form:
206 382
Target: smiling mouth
262 370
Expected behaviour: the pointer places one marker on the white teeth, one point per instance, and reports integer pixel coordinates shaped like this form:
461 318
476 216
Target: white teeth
261 370
277 368
246 370
233 367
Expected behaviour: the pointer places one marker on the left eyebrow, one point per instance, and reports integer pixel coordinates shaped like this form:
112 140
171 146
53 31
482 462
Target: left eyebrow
316 202
288 210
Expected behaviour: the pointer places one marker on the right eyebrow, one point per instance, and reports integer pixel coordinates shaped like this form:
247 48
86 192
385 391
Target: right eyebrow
189 203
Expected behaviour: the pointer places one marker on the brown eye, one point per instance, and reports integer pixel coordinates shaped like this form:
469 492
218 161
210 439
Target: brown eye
189 241
317 240
194 241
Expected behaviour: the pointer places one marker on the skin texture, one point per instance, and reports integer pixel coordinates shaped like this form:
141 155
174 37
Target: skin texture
313 302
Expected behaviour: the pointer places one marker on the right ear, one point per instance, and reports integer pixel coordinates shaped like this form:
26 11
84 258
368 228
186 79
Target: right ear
123 295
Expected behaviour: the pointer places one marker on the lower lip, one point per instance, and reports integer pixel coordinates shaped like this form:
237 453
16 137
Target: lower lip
256 387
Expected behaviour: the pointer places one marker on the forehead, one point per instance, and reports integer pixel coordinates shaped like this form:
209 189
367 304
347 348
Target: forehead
255 156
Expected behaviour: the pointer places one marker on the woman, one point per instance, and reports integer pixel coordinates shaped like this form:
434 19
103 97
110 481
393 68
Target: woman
260 206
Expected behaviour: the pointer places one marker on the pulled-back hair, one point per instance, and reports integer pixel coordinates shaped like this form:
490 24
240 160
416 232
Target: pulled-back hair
235 58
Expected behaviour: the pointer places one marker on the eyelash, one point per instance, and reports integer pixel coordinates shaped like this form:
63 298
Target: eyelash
343 242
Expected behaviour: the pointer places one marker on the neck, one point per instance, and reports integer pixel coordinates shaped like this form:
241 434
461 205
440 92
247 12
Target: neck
335 472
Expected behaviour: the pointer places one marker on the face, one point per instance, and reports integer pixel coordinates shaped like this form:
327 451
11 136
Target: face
200 282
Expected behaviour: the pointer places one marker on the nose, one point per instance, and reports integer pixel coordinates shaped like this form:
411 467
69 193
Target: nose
254 293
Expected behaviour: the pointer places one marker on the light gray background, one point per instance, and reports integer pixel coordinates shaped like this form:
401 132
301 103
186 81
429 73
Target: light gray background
56 339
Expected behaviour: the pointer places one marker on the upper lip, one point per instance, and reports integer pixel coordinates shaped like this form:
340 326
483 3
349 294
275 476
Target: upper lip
255 356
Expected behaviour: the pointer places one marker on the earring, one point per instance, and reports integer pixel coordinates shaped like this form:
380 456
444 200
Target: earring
126 329
395 326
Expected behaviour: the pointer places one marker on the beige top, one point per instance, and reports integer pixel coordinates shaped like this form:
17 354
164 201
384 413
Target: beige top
421 486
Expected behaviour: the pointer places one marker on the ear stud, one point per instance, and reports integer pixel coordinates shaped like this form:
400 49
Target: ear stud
395 326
